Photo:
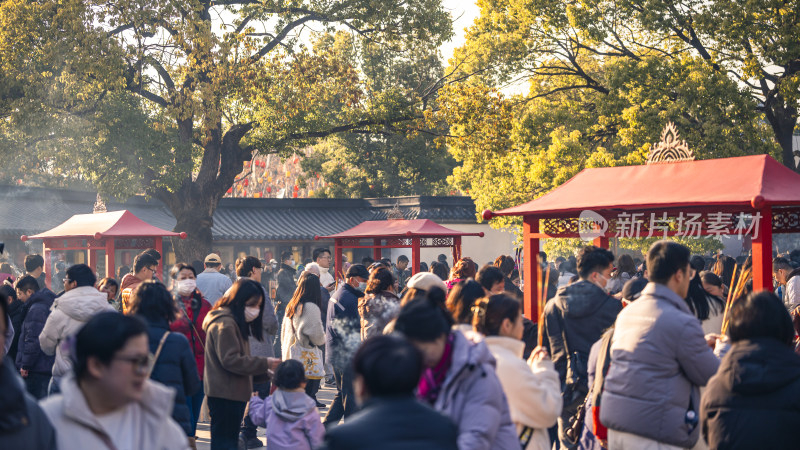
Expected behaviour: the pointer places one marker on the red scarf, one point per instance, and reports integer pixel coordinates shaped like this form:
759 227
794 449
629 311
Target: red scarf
433 379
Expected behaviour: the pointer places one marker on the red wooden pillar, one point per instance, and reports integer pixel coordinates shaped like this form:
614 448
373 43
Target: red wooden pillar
376 252
601 242
159 249
110 263
415 255
337 259
530 226
456 249
762 252
48 267
93 260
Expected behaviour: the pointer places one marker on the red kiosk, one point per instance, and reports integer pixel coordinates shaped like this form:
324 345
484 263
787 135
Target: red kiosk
751 197
398 233
105 231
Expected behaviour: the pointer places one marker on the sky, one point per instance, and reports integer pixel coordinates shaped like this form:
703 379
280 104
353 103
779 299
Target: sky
464 12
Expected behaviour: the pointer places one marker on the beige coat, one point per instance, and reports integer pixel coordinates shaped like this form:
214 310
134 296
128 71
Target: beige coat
77 427
533 391
305 327
229 367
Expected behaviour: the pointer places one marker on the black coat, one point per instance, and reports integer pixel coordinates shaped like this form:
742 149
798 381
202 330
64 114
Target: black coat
586 312
176 368
342 318
17 312
286 287
29 353
23 424
753 401
394 424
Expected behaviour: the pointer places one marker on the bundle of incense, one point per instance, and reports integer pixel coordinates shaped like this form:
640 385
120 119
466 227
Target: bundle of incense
540 302
730 294
744 277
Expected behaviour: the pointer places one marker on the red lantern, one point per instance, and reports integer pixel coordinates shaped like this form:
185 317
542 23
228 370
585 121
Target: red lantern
294 195
269 190
247 182
230 190
296 188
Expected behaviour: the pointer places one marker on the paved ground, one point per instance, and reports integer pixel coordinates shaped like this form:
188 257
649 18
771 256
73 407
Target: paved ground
325 395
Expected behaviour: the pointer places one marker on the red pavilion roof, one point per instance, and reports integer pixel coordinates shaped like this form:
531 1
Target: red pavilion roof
742 181
110 224
397 228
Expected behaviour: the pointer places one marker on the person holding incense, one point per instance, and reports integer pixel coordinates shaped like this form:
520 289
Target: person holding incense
574 320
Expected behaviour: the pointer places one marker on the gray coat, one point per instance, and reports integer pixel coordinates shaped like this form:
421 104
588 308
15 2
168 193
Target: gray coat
473 398
659 358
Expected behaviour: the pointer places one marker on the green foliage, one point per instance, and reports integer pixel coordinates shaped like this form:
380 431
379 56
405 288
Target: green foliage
400 159
602 83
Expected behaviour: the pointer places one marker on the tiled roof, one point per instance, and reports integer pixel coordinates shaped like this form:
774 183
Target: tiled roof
35 210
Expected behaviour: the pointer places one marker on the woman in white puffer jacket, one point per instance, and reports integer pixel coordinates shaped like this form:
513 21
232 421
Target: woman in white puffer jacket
79 303
532 388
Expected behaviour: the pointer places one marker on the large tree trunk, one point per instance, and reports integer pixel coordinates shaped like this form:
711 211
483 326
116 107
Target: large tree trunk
783 120
194 203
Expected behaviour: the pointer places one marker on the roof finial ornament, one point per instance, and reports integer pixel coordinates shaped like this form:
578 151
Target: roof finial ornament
99 205
670 149
395 213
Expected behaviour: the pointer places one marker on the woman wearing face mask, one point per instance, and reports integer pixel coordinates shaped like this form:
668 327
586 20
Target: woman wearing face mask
192 311
174 364
229 368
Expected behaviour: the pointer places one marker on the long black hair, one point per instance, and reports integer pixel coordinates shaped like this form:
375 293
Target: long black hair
700 301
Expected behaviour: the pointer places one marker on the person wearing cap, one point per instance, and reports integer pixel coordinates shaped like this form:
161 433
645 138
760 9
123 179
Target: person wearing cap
342 337
211 283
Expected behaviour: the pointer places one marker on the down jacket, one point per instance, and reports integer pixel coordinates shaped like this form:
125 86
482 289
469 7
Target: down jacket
754 399
659 358
29 353
473 398
175 368
228 365
190 324
532 389
23 424
79 429
376 311
69 313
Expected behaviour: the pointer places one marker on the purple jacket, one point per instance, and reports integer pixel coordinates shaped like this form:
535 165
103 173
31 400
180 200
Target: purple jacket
473 398
291 419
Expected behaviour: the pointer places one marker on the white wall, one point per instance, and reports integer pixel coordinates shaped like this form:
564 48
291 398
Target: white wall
482 250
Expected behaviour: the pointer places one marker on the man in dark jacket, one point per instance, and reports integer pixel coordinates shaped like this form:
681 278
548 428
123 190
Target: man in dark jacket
16 312
34 365
284 292
574 320
753 401
22 423
342 337
387 371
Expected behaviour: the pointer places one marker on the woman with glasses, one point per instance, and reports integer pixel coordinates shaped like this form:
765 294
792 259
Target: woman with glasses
229 367
108 401
174 364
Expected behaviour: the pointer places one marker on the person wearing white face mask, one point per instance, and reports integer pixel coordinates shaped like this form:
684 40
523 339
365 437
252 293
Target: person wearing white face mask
229 367
574 320
193 310
342 337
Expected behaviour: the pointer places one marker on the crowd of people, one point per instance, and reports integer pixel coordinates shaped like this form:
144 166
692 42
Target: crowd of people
626 354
